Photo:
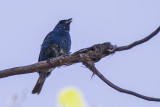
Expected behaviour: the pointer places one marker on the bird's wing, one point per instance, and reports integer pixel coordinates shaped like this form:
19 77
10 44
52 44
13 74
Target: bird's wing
48 36
49 51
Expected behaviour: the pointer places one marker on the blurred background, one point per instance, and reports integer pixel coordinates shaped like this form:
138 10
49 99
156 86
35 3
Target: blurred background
24 24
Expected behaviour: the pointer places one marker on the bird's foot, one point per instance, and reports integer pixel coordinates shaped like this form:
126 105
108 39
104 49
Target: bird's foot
49 61
66 55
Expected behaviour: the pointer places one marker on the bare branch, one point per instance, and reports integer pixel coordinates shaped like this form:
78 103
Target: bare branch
88 57
121 48
92 67
95 53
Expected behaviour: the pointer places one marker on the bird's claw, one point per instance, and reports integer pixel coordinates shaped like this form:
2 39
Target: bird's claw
48 61
66 55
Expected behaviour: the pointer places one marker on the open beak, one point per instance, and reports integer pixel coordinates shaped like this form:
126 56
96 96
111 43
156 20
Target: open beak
69 21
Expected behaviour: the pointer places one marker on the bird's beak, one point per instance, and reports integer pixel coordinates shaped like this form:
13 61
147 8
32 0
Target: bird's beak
69 21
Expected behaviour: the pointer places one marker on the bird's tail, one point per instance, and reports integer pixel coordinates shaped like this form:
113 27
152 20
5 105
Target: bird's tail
38 87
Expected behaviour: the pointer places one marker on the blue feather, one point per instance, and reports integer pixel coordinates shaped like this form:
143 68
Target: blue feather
56 43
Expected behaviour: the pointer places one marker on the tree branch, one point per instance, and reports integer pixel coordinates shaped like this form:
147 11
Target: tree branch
95 53
88 57
139 42
92 67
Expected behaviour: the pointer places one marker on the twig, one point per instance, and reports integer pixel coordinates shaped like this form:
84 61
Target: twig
139 42
92 67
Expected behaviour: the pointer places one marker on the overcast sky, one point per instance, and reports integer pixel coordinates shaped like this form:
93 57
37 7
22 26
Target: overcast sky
25 23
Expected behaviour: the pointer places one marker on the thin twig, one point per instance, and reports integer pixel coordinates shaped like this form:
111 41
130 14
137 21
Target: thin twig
92 67
121 48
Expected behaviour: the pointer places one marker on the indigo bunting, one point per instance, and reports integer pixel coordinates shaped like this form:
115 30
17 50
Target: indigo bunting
55 44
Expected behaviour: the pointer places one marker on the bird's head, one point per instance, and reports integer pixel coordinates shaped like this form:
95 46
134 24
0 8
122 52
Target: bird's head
64 25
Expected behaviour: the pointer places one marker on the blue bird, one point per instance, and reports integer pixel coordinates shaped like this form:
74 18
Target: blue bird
55 44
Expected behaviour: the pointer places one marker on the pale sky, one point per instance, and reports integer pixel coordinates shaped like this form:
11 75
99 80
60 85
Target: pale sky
24 25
